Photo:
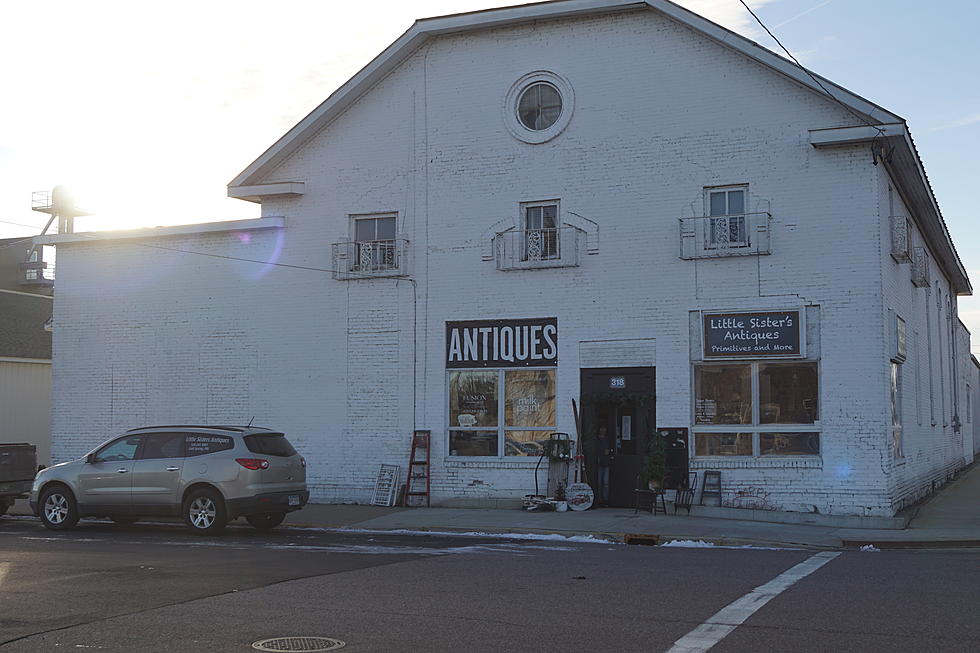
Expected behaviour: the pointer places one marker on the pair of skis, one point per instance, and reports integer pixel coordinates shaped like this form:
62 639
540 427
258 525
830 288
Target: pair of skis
579 494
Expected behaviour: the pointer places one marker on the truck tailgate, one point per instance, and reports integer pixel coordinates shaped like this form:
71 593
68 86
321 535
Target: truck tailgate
18 462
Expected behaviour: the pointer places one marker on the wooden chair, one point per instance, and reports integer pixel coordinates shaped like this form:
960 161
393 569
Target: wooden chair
685 493
641 491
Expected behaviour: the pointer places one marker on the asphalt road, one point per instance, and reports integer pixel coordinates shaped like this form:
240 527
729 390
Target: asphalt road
104 587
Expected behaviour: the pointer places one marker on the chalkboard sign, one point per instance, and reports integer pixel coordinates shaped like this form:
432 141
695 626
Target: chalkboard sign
712 486
751 335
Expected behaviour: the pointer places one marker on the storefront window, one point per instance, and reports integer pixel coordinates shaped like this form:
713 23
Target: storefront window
530 398
473 443
788 393
525 443
473 398
519 424
756 394
789 444
723 444
723 394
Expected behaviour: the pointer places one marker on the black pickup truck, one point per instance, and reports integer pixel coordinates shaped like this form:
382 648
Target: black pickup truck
18 466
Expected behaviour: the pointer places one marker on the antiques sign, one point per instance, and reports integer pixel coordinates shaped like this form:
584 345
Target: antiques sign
502 343
739 335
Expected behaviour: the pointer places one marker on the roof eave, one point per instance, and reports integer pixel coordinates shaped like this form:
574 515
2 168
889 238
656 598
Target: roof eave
905 166
225 226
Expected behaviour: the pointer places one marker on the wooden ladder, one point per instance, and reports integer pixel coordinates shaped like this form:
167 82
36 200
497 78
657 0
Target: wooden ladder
418 471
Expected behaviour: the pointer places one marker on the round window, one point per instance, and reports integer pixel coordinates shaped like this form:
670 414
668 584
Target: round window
539 106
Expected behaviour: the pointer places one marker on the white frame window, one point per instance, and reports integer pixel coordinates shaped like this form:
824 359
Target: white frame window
753 428
539 106
541 131
375 242
541 227
725 207
506 449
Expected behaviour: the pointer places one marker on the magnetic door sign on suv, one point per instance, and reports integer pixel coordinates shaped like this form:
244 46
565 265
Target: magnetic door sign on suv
209 475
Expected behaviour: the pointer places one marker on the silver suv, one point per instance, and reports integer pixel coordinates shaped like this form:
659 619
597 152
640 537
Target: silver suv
208 475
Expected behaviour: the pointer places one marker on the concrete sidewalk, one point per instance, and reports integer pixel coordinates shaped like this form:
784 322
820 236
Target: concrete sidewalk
950 518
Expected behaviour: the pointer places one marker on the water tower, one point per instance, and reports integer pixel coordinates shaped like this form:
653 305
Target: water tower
59 204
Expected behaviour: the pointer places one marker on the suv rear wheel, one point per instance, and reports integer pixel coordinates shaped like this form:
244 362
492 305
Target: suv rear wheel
204 512
59 512
266 521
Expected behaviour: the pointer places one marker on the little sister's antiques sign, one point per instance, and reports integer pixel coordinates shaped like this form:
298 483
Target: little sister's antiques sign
741 335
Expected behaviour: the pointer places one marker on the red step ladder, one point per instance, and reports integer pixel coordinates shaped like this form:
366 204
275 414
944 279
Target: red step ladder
418 471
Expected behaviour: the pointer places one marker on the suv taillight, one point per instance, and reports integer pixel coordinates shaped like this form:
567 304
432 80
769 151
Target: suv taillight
253 463
302 461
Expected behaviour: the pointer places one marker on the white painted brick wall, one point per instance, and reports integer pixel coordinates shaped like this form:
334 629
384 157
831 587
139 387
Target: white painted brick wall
933 449
151 336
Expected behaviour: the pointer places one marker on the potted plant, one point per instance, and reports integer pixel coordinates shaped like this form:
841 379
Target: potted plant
655 461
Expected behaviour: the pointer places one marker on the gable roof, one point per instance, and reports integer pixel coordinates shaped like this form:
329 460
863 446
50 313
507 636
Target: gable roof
427 28
251 184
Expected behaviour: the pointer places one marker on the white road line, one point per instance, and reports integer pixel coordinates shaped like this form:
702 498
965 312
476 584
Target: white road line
3 570
735 613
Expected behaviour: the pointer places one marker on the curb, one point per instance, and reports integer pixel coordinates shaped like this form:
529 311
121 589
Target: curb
422 530
912 544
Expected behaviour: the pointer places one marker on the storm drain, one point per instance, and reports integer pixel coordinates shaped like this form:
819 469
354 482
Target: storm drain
299 644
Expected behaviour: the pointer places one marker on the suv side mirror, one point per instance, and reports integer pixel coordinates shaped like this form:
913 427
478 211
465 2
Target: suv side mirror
90 458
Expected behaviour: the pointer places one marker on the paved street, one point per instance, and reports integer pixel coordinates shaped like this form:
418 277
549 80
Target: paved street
156 588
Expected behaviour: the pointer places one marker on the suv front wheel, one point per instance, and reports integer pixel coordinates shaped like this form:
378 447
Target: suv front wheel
58 511
204 512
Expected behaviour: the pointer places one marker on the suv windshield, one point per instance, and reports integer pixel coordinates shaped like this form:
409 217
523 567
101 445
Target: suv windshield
269 444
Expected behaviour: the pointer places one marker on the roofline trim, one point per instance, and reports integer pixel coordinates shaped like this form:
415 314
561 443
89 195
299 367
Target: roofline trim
251 224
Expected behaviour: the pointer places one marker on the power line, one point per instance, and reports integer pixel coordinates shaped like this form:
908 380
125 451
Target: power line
811 75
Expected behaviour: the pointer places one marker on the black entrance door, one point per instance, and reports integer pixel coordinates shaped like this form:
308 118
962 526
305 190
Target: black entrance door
623 400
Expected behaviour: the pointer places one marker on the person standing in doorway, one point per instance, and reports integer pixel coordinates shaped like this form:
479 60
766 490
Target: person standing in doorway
603 453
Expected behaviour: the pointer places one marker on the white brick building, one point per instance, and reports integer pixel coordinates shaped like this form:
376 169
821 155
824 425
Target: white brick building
622 176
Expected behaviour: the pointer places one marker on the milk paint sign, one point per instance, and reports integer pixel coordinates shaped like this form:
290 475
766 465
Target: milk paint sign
739 335
502 343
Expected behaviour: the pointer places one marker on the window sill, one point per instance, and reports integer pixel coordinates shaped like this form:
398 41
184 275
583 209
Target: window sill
490 462
748 462
354 275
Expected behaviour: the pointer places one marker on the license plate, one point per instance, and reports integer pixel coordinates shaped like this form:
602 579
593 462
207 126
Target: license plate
294 499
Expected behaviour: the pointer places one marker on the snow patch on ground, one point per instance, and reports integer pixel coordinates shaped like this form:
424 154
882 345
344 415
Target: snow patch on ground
701 544
870 548
545 537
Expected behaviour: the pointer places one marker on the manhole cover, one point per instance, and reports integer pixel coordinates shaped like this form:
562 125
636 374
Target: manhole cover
299 644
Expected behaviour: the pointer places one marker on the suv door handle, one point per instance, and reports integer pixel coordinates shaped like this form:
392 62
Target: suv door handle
173 469
121 470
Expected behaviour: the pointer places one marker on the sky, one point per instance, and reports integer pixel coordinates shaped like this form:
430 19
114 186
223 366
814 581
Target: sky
147 110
